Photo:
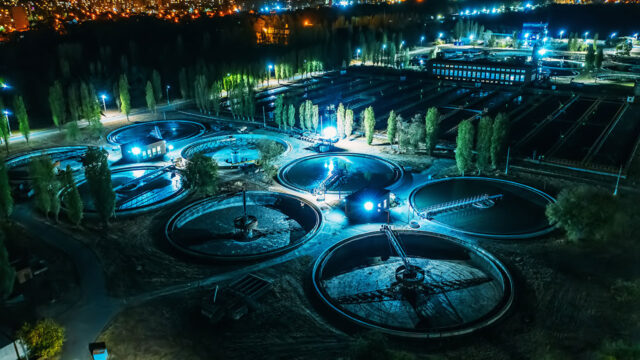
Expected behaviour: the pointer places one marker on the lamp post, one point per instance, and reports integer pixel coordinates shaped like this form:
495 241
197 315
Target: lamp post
384 47
104 104
358 53
269 76
586 33
168 87
561 33
421 40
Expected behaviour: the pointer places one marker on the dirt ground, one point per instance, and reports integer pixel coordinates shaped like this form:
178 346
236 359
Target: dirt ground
51 292
564 309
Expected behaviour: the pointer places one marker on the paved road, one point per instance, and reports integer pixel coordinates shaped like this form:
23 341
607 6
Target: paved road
85 320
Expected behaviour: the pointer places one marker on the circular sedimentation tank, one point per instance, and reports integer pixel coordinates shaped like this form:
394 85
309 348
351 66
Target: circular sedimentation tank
233 150
342 173
18 165
168 130
510 210
139 188
218 228
453 289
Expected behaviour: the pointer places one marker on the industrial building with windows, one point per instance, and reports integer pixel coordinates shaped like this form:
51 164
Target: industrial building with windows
482 72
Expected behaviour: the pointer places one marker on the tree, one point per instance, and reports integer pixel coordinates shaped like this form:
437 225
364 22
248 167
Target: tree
308 114
91 108
392 125
588 214
214 96
182 80
464 146
150 97
269 151
157 85
278 111
7 272
125 98
369 124
98 175
340 121
431 125
4 127
201 174
41 170
6 200
498 138
598 59
315 120
348 122
23 118
74 102
589 58
44 339
301 115
57 105
73 202
201 93
483 143
292 115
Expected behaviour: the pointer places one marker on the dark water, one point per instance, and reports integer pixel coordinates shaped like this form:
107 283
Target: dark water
362 171
172 130
520 212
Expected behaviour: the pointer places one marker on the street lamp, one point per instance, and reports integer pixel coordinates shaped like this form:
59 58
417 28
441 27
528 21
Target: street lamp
440 35
104 104
613 34
384 47
269 78
586 33
561 33
357 53
168 87
421 40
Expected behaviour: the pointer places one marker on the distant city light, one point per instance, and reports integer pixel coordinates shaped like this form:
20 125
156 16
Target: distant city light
368 206
135 151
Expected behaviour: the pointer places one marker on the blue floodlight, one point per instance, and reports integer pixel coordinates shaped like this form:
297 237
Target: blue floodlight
368 206
613 34
384 46
103 96
4 85
270 66
135 151
329 132
422 38
561 32
6 112
586 33
440 35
